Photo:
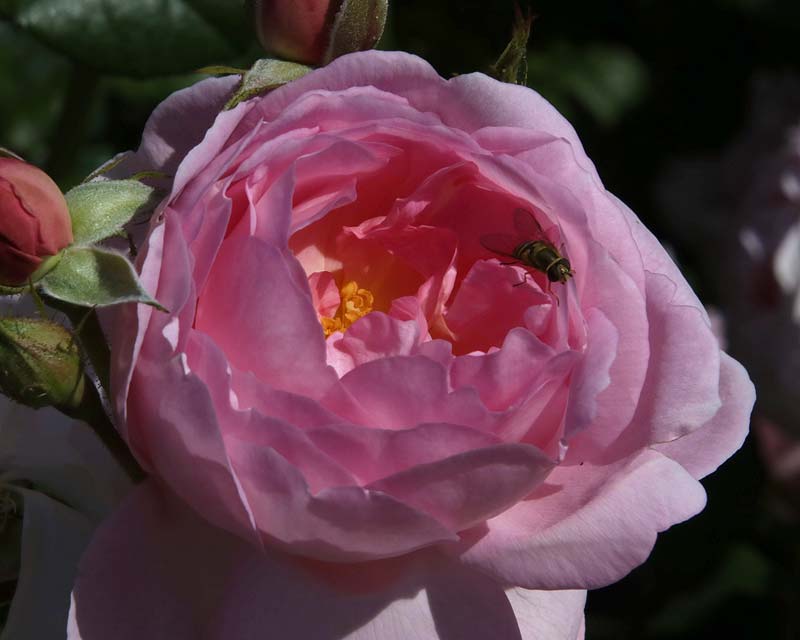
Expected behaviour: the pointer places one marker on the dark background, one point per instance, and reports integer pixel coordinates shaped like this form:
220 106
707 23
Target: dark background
644 83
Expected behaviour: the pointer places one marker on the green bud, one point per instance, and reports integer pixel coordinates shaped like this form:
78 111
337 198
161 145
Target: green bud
512 65
40 364
357 27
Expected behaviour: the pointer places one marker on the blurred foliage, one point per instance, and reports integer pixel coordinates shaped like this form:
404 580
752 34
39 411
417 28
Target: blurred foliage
143 38
643 81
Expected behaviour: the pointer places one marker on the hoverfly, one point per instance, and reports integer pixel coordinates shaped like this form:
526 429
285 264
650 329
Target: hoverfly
529 247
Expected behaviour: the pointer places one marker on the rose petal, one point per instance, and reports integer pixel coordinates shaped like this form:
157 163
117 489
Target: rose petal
371 453
467 102
704 449
337 524
401 392
178 124
181 420
591 376
278 336
154 548
680 393
587 526
489 303
468 488
374 336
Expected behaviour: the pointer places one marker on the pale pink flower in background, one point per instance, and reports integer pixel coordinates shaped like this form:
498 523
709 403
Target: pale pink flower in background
780 452
359 422
740 213
57 482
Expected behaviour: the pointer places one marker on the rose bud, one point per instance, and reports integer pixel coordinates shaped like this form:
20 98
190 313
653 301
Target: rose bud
41 364
34 220
317 31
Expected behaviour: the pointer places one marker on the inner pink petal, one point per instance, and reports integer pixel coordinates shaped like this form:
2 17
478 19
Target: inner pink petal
491 300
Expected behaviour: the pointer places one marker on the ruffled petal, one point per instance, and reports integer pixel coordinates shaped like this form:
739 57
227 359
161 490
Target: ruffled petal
587 526
704 449
277 334
192 580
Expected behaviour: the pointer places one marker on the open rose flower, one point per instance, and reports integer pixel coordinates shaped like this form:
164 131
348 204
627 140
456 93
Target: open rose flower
401 434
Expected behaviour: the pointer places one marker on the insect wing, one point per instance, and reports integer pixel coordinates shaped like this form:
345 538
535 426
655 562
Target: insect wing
527 226
500 243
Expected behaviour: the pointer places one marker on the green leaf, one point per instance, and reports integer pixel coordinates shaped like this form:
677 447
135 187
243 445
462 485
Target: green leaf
92 277
606 80
264 76
101 209
143 38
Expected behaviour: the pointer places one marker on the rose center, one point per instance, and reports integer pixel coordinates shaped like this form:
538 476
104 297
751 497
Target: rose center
355 303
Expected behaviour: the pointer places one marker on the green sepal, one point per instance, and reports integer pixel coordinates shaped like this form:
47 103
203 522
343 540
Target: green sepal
41 364
266 75
107 166
100 210
512 65
48 264
92 277
221 70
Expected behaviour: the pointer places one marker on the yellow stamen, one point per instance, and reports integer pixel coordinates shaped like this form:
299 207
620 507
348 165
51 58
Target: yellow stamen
355 303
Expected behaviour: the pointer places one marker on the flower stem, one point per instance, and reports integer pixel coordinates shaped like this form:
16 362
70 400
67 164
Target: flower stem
95 409
70 130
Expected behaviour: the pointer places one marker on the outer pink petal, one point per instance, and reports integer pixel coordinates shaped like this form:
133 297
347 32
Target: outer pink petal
179 123
703 450
157 571
680 393
587 526
337 524
468 102
180 419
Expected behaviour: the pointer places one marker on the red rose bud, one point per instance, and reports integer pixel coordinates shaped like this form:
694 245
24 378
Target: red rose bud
317 31
34 220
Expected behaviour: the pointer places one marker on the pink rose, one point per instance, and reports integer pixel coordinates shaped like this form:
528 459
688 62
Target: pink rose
34 220
398 440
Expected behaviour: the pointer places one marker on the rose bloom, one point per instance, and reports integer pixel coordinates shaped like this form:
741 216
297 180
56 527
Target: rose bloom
359 421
